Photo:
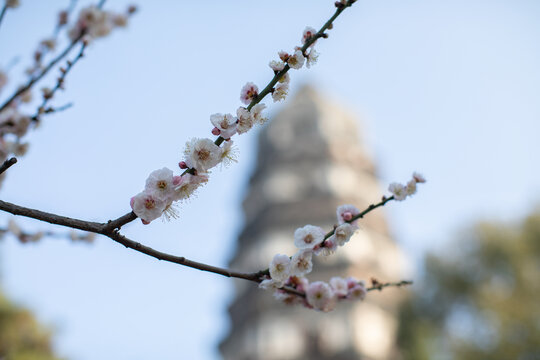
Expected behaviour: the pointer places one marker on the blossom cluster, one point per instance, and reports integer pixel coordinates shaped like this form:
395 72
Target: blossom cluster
401 191
201 155
312 241
287 274
94 23
14 123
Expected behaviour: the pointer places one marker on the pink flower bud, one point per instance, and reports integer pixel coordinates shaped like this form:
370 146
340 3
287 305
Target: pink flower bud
182 165
347 216
216 131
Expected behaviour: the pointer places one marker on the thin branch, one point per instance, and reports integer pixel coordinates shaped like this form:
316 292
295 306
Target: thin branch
369 209
35 79
379 286
181 260
278 75
109 229
7 164
51 218
59 83
3 12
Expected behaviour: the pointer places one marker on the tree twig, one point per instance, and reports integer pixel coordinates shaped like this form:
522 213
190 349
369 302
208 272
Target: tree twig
43 72
3 12
7 164
59 83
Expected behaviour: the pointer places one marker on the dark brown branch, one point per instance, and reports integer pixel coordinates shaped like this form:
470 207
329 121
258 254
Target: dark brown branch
51 218
109 229
121 221
180 259
7 164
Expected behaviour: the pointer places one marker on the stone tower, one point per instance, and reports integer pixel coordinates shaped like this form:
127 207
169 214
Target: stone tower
310 160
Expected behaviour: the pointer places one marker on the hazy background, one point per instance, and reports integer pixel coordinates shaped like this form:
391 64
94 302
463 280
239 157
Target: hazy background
448 88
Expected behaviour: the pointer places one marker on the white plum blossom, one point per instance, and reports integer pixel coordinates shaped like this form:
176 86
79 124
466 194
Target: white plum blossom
160 184
330 246
186 185
245 120
296 61
270 284
410 188
320 295
147 206
93 22
301 262
398 190
308 32
286 298
311 58
256 112
285 78
228 153
249 92
226 124
357 289
280 268
280 92
339 285
345 213
343 233
202 154
283 55
276 65
308 236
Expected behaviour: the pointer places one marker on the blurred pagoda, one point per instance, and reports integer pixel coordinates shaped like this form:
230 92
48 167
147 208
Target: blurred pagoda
310 160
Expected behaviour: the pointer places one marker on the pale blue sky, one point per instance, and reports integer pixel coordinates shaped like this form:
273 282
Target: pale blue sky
448 88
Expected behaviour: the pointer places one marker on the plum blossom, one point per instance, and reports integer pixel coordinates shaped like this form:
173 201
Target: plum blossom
311 58
276 65
186 185
280 92
398 191
328 247
301 262
256 112
410 188
343 233
249 92
308 33
225 123
160 184
202 154
296 61
147 206
320 295
245 120
339 285
308 236
228 153
280 268
357 289
345 213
